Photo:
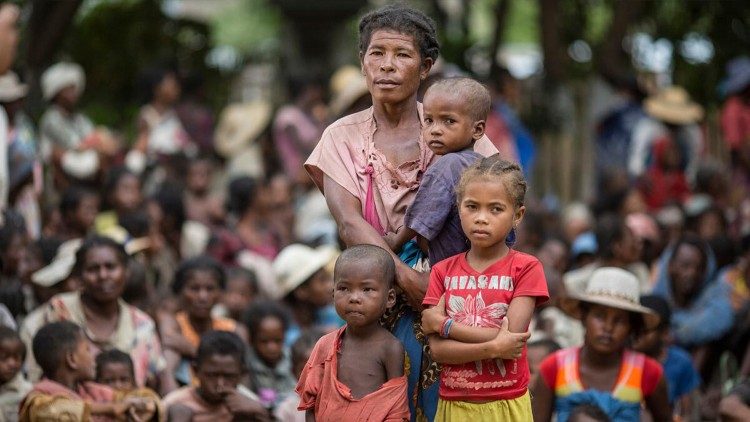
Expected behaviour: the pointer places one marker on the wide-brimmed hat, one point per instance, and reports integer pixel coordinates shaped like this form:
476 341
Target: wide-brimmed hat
62 75
673 105
80 164
347 86
132 245
613 287
60 267
738 76
11 88
296 263
239 125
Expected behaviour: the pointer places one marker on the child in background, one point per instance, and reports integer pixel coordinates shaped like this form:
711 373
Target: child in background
78 209
480 303
357 372
241 289
219 365
301 349
604 372
536 351
268 358
114 368
455 112
200 204
198 284
64 354
13 385
306 288
681 376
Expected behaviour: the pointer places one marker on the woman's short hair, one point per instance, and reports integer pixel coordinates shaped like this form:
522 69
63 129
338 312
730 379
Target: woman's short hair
404 20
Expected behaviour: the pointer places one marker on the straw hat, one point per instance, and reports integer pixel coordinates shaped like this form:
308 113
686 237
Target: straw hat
738 76
613 287
120 235
60 267
11 88
60 76
80 164
347 86
239 125
673 105
296 263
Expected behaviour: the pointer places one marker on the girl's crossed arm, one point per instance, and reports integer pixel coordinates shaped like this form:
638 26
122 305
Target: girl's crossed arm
468 344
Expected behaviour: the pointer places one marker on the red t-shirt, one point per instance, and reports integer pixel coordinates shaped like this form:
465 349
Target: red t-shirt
481 299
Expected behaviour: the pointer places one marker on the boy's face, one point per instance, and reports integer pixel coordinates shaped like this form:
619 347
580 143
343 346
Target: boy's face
268 341
218 376
117 375
11 358
83 359
447 126
361 295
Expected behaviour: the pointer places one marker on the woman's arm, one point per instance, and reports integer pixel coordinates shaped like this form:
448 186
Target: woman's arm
354 230
396 241
658 402
542 400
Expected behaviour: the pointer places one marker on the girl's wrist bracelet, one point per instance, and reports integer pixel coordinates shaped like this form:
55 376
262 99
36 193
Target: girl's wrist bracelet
447 328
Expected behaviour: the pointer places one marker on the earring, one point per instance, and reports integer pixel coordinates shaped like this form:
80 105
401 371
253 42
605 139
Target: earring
510 239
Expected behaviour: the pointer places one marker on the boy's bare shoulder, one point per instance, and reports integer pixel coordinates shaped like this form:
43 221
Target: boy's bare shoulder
389 342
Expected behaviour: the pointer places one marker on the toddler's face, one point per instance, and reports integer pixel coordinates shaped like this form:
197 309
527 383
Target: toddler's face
11 358
117 375
447 126
360 295
268 341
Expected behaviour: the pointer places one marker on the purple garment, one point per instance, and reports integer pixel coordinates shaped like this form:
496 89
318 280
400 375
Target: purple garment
434 214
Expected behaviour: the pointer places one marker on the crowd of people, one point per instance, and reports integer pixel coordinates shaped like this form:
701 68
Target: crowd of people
371 250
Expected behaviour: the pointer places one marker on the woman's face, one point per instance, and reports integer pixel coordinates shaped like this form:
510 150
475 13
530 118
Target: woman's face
393 66
103 274
607 329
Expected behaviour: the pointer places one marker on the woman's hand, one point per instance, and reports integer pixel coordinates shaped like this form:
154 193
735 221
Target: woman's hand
179 344
432 318
412 283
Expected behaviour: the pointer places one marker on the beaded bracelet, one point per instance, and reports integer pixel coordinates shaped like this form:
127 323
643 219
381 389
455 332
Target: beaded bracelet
442 326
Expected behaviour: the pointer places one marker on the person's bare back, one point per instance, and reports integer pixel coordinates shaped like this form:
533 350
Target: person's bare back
366 363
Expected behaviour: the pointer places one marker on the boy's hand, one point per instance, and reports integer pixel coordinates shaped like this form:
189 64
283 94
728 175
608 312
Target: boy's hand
243 408
432 318
509 345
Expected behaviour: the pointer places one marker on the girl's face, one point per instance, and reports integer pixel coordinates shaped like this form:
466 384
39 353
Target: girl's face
11 358
488 212
200 293
117 375
238 295
393 66
85 214
103 274
607 329
268 340
127 194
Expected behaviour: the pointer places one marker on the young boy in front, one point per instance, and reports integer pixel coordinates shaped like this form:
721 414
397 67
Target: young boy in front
64 353
219 397
357 372
455 112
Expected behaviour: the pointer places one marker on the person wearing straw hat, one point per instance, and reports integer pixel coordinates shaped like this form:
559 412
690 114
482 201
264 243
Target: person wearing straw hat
70 141
305 279
611 314
237 137
673 115
735 115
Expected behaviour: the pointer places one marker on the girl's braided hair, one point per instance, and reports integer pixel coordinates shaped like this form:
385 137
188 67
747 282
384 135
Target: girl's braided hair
509 173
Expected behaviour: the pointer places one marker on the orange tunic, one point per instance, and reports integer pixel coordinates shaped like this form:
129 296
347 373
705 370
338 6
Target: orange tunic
187 330
320 389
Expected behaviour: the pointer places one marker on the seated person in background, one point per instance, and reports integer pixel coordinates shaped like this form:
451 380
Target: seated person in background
455 112
268 357
736 406
301 349
64 354
357 372
682 377
219 365
241 289
536 351
13 385
198 283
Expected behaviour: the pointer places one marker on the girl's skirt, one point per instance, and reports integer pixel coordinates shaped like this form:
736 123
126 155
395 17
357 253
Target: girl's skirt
515 410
